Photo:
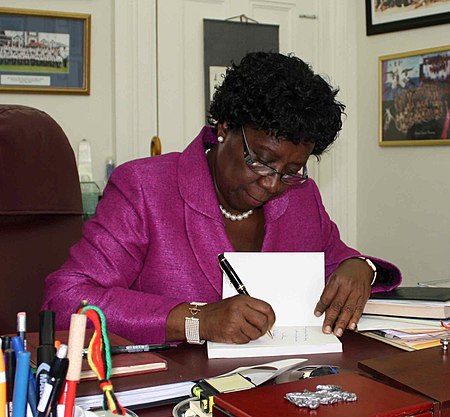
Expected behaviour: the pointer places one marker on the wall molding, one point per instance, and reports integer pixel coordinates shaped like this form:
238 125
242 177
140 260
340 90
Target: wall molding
338 170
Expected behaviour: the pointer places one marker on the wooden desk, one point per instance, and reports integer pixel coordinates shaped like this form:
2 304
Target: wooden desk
426 372
190 362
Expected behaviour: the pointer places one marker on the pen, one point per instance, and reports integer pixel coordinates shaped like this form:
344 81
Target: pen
77 330
21 384
234 279
6 342
116 350
22 327
46 349
3 401
18 347
10 365
53 386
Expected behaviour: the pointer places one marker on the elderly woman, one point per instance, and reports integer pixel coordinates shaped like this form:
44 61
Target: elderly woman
149 256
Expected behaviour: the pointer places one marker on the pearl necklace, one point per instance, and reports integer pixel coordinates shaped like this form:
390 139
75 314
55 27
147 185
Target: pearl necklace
235 217
227 214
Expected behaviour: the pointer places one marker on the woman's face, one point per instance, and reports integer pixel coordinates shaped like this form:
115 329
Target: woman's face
241 189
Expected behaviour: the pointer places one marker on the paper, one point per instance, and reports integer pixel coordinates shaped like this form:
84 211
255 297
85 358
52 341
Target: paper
140 396
292 284
229 383
258 374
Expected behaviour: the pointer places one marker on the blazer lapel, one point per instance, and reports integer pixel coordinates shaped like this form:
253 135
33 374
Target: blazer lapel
203 221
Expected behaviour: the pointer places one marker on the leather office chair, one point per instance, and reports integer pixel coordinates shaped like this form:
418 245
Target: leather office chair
40 209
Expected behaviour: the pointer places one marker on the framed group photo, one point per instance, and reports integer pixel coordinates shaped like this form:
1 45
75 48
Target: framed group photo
44 52
414 98
392 15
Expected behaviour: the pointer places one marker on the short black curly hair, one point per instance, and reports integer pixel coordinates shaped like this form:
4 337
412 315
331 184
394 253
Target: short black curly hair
281 95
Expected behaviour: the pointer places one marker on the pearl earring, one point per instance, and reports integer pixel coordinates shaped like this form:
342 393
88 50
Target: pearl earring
220 139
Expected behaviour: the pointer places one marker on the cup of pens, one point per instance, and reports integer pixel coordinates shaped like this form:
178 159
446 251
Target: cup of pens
51 390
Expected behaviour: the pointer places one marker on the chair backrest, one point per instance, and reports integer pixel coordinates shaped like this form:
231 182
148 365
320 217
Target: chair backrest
40 209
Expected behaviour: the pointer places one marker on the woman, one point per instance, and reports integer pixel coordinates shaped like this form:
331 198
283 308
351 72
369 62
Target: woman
241 185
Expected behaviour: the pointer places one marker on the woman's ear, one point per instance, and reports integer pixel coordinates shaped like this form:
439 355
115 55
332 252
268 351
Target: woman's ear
222 129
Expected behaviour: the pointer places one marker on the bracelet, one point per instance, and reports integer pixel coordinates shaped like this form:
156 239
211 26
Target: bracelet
192 324
372 265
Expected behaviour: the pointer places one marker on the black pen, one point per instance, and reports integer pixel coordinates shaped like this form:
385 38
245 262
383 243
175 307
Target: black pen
46 349
6 342
116 350
10 368
55 383
226 267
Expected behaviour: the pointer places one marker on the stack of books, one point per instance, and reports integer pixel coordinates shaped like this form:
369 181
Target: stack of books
423 302
410 318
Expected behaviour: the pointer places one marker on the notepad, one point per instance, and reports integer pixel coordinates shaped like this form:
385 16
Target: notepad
292 284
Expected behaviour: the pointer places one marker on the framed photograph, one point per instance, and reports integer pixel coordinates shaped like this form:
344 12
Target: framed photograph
44 52
391 15
414 98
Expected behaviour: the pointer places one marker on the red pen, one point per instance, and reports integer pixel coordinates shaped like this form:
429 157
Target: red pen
77 332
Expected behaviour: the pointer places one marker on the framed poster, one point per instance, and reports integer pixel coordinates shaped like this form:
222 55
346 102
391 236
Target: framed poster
414 98
44 52
391 15
226 41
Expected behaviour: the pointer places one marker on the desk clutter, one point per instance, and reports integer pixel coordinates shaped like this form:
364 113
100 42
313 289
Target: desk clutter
410 318
40 372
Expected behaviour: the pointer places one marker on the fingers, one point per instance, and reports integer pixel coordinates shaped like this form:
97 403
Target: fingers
343 299
237 319
342 314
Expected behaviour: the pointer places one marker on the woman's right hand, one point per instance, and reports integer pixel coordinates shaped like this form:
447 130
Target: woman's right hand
237 319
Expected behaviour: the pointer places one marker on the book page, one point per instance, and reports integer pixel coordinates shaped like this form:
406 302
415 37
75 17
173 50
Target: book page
291 282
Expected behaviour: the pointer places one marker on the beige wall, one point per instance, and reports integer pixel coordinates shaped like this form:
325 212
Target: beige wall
403 193
81 117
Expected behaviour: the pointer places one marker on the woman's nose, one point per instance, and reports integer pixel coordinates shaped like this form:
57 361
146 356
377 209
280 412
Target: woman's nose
271 183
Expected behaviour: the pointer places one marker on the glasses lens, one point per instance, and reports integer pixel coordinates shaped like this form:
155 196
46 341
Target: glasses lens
260 168
298 178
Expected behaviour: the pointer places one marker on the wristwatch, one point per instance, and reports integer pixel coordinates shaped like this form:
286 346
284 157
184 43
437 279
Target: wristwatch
372 265
192 324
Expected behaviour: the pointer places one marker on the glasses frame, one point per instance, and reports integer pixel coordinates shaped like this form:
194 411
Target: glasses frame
288 179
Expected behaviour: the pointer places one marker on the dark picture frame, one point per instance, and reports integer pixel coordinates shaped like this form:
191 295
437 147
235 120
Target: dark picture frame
44 52
414 98
393 15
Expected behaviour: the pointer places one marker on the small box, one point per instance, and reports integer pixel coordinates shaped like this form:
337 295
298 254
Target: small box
375 399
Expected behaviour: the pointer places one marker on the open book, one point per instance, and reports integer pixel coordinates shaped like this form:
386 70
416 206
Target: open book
292 284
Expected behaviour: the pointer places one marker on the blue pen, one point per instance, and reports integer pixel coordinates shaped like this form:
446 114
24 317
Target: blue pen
17 344
21 384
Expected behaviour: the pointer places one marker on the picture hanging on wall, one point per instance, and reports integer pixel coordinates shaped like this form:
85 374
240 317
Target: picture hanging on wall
414 98
44 52
391 15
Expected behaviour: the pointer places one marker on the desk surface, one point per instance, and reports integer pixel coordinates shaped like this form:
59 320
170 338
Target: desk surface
190 362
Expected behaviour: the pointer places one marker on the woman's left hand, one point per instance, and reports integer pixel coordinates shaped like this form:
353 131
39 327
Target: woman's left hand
344 296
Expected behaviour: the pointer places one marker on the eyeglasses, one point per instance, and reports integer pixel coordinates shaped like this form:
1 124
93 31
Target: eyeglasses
265 170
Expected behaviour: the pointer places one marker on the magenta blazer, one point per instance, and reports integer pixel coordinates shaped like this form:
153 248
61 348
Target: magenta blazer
154 241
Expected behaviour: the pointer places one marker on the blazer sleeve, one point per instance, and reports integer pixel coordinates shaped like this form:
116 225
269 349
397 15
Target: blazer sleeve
104 265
